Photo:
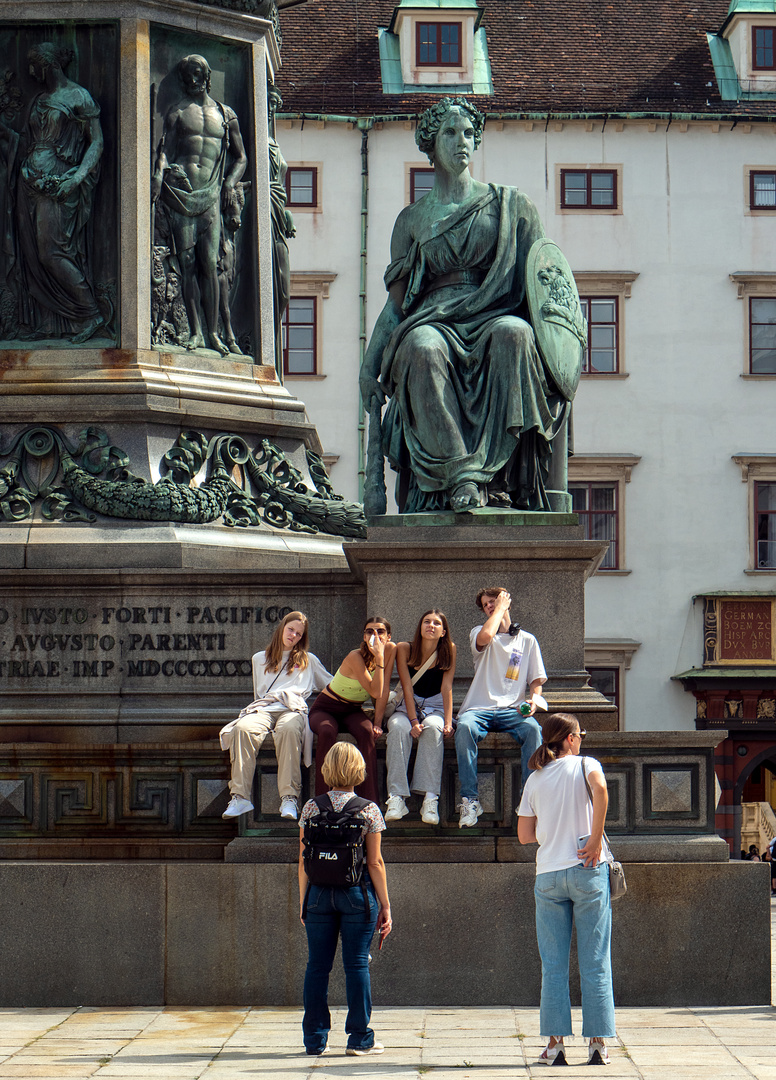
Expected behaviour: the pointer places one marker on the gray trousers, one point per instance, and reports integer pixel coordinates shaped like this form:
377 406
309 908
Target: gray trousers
427 775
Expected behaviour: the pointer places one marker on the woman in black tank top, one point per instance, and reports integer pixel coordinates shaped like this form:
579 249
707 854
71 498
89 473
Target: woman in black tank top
424 714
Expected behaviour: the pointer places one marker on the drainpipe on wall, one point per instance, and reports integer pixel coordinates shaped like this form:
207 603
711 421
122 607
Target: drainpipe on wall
364 125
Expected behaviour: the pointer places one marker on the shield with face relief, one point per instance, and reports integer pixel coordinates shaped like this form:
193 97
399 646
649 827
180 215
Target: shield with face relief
556 315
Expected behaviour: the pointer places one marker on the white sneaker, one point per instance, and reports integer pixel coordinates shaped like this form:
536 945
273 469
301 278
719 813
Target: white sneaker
597 1054
470 811
237 805
395 808
289 807
375 1048
429 811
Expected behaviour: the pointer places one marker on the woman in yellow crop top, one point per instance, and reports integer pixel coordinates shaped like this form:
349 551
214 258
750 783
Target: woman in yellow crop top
338 707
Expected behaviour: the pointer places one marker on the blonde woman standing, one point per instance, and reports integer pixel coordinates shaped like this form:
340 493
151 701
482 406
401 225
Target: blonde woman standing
349 914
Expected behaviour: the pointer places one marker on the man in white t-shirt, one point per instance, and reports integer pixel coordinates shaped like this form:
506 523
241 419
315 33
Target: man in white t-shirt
508 670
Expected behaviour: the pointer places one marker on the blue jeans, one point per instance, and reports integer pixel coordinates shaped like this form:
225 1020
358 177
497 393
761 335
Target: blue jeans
474 725
331 913
580 893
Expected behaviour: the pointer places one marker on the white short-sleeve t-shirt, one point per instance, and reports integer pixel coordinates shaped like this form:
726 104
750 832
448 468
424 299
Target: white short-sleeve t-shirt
557 797
503 670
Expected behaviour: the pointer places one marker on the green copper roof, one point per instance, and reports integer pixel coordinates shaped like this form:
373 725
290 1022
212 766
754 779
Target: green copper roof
437 5
742 7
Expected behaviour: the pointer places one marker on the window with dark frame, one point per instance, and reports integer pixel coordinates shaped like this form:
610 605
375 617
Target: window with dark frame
762 335
762 190
301 186
421 182
588 189
596 504
600 357
299 336
763 51
765 524
438 44
606 680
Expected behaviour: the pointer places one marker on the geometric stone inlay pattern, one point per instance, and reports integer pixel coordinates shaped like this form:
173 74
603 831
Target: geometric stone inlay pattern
211 797
11 798
671 791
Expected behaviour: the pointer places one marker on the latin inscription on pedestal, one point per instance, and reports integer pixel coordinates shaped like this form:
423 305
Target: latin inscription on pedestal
168 646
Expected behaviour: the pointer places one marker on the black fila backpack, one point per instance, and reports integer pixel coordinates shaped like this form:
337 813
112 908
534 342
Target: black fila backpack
334 845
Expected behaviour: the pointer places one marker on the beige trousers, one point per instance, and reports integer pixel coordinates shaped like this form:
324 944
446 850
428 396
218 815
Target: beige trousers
249 733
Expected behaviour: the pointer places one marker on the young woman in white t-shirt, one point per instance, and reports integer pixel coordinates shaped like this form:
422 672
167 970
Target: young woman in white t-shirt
284 677
572 884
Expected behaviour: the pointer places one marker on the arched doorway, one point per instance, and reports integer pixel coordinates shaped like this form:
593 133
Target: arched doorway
756 782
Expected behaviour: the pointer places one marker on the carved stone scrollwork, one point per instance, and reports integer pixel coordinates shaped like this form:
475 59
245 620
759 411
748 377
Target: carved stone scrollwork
244 487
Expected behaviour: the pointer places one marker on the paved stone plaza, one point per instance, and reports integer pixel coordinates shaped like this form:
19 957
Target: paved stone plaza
440 1043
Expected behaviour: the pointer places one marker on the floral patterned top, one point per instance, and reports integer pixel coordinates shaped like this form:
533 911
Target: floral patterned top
339 799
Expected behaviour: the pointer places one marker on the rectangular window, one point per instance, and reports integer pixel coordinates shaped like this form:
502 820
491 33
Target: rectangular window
588 189
438 44
421 182
301 186
299 336
601 355
762 190
596 505
763 48
765 524
762 335
606 680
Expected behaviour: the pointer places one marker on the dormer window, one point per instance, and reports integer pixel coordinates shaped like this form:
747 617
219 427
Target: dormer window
743 51
438 44
435 46
763 41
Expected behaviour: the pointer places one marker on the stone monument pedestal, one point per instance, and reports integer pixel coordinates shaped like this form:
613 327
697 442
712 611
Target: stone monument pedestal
417 561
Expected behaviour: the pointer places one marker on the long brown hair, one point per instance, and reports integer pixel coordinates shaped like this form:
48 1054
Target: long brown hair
274 652
555 730
366 655
444 659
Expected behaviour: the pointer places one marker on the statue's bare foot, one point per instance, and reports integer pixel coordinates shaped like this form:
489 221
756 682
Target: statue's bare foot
196 341
465 497
89 330
501 499
219 345
231 341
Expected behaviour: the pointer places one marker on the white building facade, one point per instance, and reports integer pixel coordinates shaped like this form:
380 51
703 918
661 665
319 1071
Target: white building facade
668 219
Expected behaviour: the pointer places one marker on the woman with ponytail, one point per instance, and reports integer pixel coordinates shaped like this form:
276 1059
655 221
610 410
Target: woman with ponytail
572 886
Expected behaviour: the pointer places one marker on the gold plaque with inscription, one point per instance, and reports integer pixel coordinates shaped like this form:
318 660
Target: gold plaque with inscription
740 631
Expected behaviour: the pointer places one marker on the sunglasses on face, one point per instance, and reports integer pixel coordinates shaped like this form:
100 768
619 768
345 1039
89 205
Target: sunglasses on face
579 734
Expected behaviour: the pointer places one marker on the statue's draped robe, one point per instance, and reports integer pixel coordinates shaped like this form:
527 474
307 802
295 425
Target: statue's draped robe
483 409
52 233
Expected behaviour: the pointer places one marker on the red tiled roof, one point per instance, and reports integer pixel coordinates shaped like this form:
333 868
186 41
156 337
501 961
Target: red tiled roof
598 56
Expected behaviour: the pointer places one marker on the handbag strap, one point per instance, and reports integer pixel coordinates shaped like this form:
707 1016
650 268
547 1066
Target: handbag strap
421 671
590 795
